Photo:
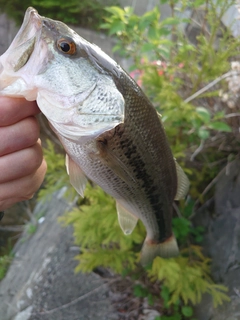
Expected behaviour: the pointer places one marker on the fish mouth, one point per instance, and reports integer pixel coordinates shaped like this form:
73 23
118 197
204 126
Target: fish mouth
32 23
23 45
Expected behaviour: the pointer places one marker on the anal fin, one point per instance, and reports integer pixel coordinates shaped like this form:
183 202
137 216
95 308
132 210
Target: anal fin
126 219
77 178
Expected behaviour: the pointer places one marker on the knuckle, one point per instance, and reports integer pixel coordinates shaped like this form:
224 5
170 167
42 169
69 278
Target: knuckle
32 128
35 157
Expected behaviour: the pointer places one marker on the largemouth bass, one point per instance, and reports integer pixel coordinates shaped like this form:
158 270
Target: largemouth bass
111 132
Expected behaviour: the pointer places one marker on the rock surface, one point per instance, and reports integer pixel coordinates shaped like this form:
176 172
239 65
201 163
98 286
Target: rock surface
41 284
222 243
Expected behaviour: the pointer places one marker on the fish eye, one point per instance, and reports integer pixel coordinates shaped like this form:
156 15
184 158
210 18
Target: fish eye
66 46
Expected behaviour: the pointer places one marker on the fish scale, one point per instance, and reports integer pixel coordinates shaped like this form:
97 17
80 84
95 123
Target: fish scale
160 178
111 132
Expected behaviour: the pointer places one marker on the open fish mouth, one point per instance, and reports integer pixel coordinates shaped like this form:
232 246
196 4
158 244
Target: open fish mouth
23 45
32 23
19 52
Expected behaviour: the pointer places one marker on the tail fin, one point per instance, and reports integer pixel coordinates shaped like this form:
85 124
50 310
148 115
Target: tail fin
166 249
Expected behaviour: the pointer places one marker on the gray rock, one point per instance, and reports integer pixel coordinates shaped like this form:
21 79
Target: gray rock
222 243
41 284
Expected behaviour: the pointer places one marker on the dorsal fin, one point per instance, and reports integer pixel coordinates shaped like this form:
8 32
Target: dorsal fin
77 177
183 183
126 219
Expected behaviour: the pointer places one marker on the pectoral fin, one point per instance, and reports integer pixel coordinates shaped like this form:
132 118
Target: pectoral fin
126 219
112 161
77 177
183 183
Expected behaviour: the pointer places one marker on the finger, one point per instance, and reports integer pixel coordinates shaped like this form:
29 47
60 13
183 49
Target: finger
21 163
21 189
13 110
20 135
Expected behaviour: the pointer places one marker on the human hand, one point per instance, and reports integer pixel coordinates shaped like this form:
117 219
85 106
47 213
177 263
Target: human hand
22 167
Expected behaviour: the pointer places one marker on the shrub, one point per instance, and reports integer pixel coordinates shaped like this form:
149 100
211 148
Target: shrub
171 70
84 13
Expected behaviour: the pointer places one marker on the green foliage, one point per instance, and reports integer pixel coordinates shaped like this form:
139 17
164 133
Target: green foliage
178 311
171 69
31 228
147 31
184 231
187 277
84 13
97 231
4 264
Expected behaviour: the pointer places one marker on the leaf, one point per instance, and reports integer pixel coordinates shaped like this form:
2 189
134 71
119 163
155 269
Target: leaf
181 227
147 47
105 25
204 114
164 31
117 47
153 34
218 115
165 294
170 21
150 299
140 291
220 126
197 123
150 16
203 133
116 27
187 311
198 3
117 11
146 20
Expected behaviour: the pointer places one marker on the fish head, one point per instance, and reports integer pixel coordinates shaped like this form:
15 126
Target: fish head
71 79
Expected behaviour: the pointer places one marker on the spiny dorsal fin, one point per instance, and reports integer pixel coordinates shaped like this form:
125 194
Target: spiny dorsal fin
77 177
183 183
126 219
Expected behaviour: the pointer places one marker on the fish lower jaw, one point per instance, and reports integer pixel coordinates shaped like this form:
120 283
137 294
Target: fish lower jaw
18 88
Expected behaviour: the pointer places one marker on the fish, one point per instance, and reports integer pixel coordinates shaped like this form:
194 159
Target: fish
111 132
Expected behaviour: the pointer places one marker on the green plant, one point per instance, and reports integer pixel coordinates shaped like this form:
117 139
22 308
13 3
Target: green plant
102 243
187 277
4 264
170 73
177 311
171 69
142 291
105 246
31 228
83 13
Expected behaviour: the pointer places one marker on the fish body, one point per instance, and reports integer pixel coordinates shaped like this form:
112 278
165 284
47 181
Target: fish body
111 132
